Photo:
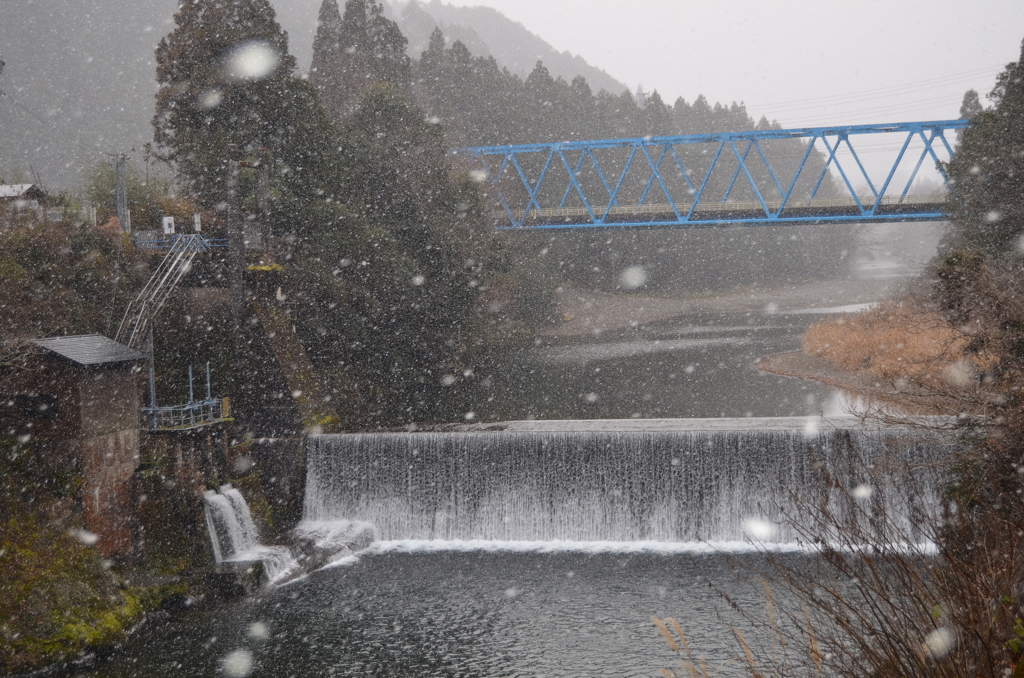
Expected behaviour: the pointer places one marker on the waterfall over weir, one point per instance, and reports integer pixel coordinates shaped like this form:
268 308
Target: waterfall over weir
601 485
233 535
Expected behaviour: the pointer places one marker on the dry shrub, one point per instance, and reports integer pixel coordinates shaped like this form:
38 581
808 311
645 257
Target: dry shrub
892 341
934 588
883 606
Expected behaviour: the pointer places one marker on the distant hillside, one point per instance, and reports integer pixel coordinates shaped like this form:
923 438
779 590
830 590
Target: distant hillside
87 69
488 32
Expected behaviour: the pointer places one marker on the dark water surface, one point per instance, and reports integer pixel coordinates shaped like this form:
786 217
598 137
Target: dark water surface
481 613
691 366
507 613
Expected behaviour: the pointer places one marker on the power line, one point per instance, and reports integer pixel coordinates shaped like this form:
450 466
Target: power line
56 129
907 87
825 104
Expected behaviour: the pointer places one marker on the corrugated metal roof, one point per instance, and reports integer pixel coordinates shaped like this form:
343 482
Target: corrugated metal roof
14 190
91 349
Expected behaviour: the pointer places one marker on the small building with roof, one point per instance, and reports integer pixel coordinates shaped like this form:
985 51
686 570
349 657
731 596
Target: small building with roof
22 195
76 399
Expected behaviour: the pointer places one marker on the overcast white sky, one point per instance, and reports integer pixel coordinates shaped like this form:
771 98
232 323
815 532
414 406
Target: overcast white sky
803 62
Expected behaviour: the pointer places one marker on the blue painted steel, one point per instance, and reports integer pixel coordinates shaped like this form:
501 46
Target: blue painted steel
193 414
166 243
182 417
678 201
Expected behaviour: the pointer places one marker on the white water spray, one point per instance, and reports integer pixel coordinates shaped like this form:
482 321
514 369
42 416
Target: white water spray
595 486
234 537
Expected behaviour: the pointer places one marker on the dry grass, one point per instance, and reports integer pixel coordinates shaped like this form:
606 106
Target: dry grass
896 340
694 667
877 601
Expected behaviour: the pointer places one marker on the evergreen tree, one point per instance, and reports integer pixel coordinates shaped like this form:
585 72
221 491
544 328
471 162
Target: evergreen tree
407 311
225 78
971 105
351 54
325 72
582 110
987 172
657 117
431 65
681 115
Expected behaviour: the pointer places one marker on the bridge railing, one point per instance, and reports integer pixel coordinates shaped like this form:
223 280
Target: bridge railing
181 417
808 175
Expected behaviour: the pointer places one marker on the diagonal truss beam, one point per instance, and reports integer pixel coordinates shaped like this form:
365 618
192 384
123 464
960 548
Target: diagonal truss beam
693 191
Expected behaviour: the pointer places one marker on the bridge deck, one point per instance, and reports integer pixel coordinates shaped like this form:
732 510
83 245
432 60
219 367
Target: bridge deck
890 208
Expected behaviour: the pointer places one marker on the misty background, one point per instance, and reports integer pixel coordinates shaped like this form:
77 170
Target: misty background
81 75
85 68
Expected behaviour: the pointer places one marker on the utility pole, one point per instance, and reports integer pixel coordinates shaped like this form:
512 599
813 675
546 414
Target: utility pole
236 277
263 196
236 243
121 193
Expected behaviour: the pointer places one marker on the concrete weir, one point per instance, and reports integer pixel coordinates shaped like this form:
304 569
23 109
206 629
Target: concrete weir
623 480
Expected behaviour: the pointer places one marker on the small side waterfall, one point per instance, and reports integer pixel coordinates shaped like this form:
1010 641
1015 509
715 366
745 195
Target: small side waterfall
234 537
668 486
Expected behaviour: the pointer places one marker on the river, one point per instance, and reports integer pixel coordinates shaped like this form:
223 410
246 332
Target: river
435 608
467 613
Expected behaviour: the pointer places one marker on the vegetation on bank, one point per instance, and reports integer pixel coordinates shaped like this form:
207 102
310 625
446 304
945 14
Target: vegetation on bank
875 604
914 360
60 596
378 245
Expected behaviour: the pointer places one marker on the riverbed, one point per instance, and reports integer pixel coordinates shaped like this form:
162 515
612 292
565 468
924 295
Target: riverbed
628 356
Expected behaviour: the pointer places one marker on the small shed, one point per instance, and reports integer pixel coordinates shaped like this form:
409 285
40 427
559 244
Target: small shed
22 195
77 387
78 398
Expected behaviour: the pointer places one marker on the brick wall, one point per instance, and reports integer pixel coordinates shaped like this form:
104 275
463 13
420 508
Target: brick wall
108 463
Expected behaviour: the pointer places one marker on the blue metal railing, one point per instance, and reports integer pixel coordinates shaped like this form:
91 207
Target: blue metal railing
670 181
153 240
181 417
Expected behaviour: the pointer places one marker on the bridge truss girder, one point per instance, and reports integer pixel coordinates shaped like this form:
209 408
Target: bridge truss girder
669 182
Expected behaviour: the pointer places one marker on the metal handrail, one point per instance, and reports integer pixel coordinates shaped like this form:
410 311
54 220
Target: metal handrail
167 243
191 415
154 295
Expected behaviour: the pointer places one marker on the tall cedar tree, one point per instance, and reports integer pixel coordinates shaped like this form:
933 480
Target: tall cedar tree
201 107
354 51
440 249
326 72
987 200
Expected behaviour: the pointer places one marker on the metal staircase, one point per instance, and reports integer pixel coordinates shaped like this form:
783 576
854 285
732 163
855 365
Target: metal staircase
154 295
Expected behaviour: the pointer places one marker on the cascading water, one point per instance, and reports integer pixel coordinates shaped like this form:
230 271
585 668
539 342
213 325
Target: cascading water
234 537
667 486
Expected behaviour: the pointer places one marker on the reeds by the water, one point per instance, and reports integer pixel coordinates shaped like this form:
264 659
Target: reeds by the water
938 595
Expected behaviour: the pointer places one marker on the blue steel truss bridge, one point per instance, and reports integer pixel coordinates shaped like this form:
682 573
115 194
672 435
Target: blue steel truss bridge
771 176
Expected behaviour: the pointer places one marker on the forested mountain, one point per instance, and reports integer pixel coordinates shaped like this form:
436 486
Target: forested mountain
487 32
86 68
479 103
474 101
